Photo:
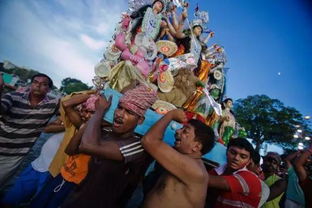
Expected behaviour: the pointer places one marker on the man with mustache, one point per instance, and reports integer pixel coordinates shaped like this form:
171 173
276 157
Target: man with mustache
185 179
270 167
118 160
23 115
233 185
267 193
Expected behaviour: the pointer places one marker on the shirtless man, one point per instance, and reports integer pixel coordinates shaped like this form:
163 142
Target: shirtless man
184 183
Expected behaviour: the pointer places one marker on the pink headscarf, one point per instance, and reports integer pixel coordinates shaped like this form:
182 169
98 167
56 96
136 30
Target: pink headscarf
89 104
139 99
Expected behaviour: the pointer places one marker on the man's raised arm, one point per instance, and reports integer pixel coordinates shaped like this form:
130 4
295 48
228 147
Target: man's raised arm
299 164
178 164
91 139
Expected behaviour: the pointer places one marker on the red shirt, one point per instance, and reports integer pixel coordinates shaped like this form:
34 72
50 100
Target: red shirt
245 190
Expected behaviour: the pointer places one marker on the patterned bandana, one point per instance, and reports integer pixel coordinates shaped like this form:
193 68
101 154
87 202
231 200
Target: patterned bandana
89 104
139 99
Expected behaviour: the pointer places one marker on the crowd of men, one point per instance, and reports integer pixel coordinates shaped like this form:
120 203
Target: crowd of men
88 162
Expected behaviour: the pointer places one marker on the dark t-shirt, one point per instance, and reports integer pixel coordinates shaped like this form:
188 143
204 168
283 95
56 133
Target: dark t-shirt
111 183
306 186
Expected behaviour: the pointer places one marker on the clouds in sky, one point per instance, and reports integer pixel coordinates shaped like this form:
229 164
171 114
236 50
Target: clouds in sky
92 43
63 38
67 38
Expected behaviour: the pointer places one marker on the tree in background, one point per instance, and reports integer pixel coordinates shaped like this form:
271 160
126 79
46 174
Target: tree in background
268 120
70 85
23 73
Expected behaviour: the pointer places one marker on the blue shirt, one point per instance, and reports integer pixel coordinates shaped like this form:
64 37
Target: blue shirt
294 191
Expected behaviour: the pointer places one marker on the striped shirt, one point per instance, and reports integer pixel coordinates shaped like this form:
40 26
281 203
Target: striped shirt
245 189
110 183
132 150
21 123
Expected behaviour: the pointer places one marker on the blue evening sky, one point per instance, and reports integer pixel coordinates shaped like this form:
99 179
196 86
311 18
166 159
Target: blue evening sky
268 43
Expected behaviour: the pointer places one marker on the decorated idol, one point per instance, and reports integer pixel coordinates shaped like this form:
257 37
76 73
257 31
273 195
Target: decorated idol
156 44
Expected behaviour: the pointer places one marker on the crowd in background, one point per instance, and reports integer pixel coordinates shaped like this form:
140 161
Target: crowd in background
88 162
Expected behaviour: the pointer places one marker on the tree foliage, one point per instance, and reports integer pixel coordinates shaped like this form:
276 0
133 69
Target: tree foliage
268 120
70 85
24 74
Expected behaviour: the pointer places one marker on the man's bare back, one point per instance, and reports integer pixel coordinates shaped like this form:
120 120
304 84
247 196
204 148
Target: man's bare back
185 183
170 191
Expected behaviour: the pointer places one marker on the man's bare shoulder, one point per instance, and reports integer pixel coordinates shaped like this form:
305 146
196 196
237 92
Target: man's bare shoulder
199 170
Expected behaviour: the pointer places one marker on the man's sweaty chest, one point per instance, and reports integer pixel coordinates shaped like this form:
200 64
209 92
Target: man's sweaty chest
168 183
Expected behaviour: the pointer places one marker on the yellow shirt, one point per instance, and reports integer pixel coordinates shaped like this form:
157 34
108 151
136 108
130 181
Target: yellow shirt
70 129
274 203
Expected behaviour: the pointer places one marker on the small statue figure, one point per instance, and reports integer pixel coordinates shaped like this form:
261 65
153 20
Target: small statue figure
227 121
